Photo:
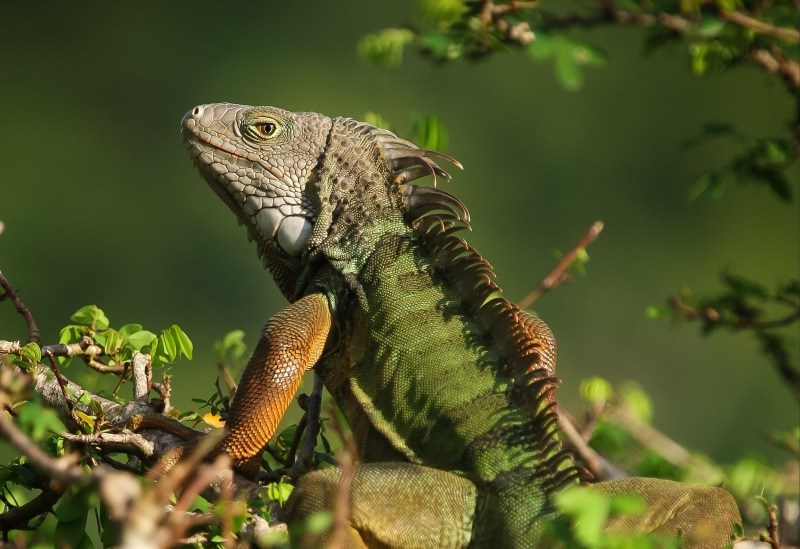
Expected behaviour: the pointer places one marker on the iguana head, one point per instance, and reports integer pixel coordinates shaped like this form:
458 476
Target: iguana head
305 182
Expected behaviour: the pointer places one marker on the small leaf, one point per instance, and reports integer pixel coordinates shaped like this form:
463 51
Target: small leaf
443 12
88 421
111 340
91 315
72 508
627 504
710 27
589 510
541 48
38 422
657 313
140 339
568 71
596 390
184 344
385 48
376 120
279 491
429 133
637 400
698 52
319 522
168 346
72 333
31 353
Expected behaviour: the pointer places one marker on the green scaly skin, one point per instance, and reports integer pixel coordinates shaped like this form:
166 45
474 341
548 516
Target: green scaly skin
447 386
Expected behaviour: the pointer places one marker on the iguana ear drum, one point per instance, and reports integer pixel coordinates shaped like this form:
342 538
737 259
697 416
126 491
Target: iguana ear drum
293 234
290 232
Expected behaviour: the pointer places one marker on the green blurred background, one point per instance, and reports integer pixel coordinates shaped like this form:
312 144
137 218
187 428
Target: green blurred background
101 203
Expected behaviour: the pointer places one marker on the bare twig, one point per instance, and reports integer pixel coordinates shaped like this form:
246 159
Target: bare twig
64 469
33 329
600 467
43 503
711 315
788 371
759 26
772 525
786 68
557 275
347 458
113 441
306 451
226 376
63 382
652 438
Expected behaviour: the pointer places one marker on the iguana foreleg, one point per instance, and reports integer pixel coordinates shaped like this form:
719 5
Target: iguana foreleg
290 344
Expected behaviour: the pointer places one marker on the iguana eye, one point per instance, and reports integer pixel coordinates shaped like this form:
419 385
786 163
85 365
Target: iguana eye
266 128
260 130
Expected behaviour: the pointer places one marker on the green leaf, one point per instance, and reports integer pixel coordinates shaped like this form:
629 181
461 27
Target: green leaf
110 339
627 504
37 421
657 313
728 5
71 533
440 45
140 339
128 329
443 12
637 400
182 340
168 346
72 333
568 72
279 491
385 48
710 27
72 508
429 133
284 440
232 344
91 315
319 522
541 48
31 353
596 389
698 53
376 120
589 510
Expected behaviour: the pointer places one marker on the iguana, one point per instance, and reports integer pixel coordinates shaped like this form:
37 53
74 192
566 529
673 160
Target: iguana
447 386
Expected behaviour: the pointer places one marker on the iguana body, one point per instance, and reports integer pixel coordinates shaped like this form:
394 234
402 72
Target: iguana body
447 387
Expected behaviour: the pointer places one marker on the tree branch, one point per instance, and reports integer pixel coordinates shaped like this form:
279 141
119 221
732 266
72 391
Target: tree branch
557 275
33 329
759 26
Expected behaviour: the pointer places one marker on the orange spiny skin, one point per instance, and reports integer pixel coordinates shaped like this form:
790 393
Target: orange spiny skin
290 344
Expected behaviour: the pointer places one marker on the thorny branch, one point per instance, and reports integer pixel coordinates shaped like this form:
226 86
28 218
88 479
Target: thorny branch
558 275
33 329
781 357
348 464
